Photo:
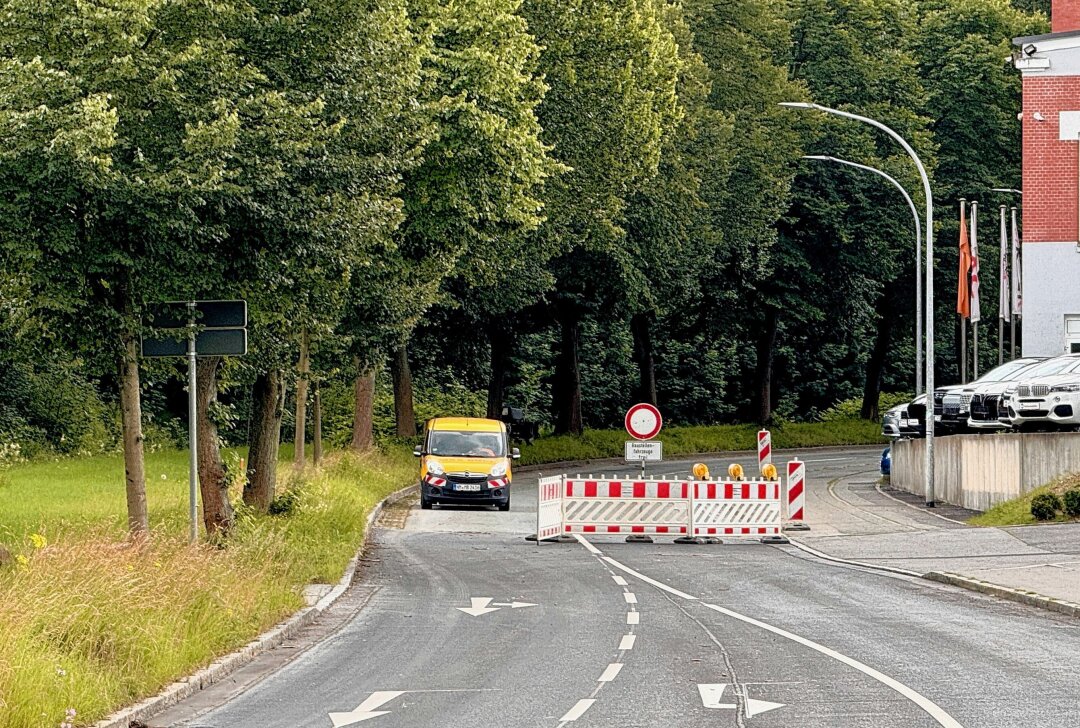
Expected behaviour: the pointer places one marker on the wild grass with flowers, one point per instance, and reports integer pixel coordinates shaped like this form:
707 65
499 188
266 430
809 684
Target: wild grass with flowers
89 623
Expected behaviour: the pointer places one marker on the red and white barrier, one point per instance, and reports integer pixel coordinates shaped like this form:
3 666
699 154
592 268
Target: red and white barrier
796 495
764 449
678 508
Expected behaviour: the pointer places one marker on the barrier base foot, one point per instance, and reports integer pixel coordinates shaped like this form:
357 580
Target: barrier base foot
698 540
774 539
638 538
797 526
552 539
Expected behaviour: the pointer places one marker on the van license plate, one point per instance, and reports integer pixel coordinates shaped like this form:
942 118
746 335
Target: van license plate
470 487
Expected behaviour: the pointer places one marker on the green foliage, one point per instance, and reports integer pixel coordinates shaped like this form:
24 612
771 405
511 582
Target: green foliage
851 409
1045 506
1071 502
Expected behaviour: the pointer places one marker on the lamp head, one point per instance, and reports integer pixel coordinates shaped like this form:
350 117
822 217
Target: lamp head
797 104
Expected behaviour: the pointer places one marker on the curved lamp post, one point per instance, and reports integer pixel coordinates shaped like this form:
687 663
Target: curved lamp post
918 256
929 465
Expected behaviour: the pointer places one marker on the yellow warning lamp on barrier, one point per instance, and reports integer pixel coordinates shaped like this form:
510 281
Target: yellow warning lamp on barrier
769 472
701 471
735 471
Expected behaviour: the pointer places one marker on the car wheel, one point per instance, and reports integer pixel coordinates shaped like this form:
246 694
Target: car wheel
425 503
505 506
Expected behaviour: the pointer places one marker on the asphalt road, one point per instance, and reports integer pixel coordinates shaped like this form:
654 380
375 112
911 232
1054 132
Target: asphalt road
606 633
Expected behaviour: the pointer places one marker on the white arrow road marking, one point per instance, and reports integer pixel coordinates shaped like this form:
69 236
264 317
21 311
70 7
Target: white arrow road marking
366 709
753 707
712 694
513 605
479 607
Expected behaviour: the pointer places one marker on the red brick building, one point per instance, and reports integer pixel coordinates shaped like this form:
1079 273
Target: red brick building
1050 65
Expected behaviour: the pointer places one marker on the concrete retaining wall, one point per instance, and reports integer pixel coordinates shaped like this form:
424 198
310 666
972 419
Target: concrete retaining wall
980 471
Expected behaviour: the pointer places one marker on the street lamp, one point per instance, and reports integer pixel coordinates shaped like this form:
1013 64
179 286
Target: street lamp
929 465
918 255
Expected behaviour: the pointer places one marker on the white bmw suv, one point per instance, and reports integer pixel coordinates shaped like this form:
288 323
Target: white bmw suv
1046 401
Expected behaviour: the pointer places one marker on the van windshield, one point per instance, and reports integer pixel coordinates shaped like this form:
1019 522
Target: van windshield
453 443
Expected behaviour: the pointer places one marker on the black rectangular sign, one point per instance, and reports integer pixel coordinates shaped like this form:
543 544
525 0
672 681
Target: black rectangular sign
209 342
208 315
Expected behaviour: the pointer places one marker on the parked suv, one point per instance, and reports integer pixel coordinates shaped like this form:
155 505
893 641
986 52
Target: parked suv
905 420
1050 401
988 401
467 461
956 402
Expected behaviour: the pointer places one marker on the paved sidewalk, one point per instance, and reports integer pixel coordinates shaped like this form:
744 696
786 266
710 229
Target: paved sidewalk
853 517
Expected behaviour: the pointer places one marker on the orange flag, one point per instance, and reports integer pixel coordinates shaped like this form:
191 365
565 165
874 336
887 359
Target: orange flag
963 287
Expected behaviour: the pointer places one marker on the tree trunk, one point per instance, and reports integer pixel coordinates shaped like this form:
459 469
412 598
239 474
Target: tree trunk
267 396
303 372
363 434
766 351
876 363
501 344
131 420
316 417
640 327
566 389
403 394
213 480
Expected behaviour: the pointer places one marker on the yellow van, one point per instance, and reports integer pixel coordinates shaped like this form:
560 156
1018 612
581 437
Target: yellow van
465 461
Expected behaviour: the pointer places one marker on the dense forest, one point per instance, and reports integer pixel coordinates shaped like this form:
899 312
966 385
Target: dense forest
448 206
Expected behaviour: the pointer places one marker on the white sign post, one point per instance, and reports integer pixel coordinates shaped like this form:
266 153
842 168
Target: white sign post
643 422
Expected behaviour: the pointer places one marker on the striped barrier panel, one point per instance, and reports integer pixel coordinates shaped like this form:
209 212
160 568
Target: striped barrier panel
650 507
764 449
626 506
549 508
796 491
736 508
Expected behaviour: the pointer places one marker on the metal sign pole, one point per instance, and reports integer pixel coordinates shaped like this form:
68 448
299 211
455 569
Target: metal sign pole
193 438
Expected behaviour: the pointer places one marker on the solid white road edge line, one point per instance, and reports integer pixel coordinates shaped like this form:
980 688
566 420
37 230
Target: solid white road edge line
848 562
578 710
611 672
627 642
584 542
933 709
647 580
930 707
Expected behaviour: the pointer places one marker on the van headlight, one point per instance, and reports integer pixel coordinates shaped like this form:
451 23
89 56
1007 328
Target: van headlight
499 469
434 467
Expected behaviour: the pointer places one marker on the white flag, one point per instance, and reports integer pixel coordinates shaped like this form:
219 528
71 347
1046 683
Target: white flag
975 312
1017 271
1004 289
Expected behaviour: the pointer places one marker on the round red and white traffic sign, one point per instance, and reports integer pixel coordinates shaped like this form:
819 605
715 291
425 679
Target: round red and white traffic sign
643 421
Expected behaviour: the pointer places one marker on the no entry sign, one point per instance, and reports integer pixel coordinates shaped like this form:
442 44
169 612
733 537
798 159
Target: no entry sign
643 421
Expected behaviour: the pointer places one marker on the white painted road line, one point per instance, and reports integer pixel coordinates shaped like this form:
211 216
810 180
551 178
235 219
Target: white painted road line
630 597
930 707
633 617
619 580
581 540
647 580
578 710
627 642
611 672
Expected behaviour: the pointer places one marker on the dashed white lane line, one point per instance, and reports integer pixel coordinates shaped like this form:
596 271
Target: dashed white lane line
611 672
627 642
932 709
633 617
579 709
619 580
630 597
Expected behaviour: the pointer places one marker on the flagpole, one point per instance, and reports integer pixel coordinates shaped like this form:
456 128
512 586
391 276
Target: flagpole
972 290
1003 287
963 319
1017 271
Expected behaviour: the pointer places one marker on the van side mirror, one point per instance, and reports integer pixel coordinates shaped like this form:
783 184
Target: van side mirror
515 453
418 451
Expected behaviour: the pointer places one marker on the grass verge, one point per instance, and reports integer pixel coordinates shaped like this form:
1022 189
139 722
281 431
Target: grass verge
1017 512
87 622
597 444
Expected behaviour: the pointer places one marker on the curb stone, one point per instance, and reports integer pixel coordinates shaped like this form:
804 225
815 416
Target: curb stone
228 664
1016 595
